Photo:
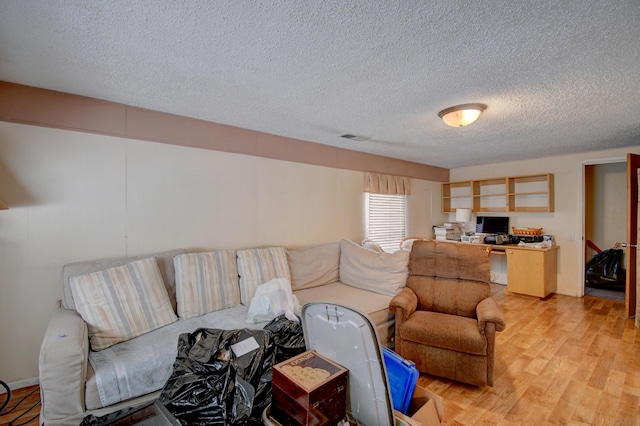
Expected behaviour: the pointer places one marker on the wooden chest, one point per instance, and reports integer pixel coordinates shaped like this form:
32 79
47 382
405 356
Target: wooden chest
309 390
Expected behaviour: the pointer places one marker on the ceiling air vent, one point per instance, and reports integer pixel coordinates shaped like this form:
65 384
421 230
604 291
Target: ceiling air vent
355 138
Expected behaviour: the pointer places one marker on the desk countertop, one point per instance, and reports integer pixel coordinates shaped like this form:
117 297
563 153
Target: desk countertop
503 247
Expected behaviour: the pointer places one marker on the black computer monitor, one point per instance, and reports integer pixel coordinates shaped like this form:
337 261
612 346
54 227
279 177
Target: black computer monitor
492 224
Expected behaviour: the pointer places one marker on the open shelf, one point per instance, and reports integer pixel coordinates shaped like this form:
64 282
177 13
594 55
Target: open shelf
530 193
456 195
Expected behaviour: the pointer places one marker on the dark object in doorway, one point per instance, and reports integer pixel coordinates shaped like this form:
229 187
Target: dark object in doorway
605 270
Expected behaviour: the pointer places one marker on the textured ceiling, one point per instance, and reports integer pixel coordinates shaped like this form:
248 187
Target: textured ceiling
557 76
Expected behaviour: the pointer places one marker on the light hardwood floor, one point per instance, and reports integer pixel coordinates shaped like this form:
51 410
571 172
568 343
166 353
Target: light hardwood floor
562 360
22 409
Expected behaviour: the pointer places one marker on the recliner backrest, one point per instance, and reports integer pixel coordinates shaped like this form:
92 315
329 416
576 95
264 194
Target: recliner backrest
448 277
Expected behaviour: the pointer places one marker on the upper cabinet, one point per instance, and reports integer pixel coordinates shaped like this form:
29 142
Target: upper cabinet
531 193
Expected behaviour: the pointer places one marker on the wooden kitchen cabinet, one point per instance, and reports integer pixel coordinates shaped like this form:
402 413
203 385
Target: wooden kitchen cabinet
532 271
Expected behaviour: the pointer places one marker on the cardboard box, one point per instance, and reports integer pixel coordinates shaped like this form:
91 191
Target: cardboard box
426 409
309 389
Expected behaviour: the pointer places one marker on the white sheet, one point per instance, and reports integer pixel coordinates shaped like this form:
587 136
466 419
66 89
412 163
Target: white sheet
143 365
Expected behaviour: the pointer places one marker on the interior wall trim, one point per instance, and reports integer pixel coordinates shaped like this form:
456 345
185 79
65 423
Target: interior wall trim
48 108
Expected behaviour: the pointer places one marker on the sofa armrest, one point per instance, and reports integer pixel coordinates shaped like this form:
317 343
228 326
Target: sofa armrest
63 365
404 303
489 311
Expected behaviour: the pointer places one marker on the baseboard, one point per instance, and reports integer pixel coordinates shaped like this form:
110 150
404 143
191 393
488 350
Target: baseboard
21 384
567 293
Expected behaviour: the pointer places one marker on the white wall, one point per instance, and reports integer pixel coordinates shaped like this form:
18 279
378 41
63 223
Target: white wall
77 196
566 223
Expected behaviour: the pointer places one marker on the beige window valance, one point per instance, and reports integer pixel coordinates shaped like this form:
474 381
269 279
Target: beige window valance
377 183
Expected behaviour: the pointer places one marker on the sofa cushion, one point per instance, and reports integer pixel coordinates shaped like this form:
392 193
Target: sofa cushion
372 245
314 266
126 370
206 282
338 293
384 273
165 263
91 394
374 305
121 303
257 266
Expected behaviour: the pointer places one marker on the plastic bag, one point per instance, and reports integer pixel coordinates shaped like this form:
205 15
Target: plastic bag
605 270
272 299
211 385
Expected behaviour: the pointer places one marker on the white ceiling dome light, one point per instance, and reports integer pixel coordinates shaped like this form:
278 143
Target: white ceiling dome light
461 115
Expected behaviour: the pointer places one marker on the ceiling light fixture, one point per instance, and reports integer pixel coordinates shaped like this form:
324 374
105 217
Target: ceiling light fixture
461 115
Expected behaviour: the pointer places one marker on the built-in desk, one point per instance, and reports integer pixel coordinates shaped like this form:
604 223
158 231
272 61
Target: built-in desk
530 271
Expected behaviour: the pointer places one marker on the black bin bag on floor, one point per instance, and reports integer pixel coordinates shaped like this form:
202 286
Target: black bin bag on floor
210 385
605 270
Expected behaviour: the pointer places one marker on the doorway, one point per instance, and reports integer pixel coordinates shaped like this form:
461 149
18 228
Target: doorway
605 227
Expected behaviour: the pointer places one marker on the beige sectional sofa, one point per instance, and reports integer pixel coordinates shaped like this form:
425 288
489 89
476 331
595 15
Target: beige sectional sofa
191 290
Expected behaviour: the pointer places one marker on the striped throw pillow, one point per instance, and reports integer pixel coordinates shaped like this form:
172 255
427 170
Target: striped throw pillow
206 282
121 303
257 266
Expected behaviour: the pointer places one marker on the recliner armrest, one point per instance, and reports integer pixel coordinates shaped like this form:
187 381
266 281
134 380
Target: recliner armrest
63 366
406 301
489 311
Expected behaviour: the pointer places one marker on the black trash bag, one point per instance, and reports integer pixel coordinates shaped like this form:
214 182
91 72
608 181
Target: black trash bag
288 339
605 270
209 385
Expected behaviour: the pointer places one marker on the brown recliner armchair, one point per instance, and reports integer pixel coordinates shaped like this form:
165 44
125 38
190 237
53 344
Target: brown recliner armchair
445 320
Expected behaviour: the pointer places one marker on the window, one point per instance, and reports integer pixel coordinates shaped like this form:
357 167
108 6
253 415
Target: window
386 220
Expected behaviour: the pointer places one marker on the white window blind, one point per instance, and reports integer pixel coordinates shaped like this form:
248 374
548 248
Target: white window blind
386 220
